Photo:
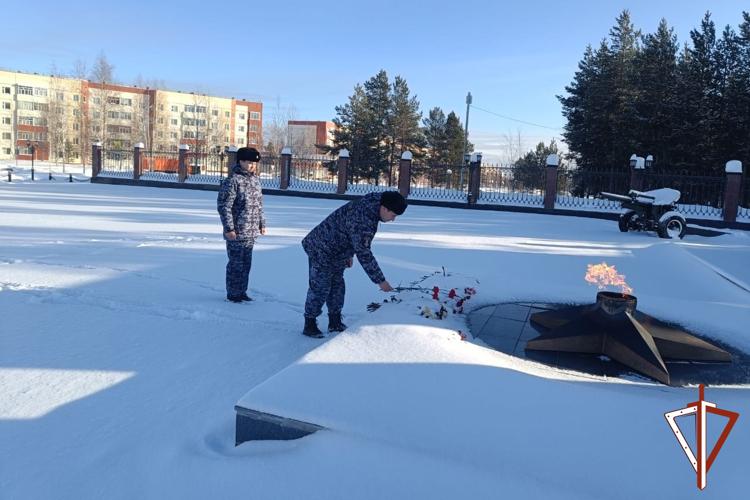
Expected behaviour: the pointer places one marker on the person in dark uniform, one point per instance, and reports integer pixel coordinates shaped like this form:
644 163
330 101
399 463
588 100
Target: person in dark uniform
330 248
240 206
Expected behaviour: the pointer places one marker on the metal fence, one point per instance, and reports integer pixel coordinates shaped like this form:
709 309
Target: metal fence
439 182
159 161
700 196
114 160
512 186
577 189
313 174
744 208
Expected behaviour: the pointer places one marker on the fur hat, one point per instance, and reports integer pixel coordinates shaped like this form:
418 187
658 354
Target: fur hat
248 154
393 201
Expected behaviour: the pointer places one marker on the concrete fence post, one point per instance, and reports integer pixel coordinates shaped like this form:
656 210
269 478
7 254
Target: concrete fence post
231 158
137 160
550 184
732 187
182 163
96 159
404 174
637 169
342 165
286 167
475 178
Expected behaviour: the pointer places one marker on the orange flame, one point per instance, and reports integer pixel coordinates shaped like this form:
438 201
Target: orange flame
603 275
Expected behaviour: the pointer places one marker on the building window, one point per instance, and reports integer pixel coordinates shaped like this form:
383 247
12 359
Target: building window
97 100
6 105
6 90
75 141
173 135
254 115
241 140
60 96
200 109
254 127
173 121
6 151
6 120
189 108
174 109
226 126
242 116
97 115
6 135
76 98
161 121
76 126
226 114
159 135
40 91
25 90
241 128
215 112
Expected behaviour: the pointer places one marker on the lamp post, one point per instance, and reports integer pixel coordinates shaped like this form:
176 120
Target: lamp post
449 173
32 149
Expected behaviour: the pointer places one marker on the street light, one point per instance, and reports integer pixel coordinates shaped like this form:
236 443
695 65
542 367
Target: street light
33 150
449 173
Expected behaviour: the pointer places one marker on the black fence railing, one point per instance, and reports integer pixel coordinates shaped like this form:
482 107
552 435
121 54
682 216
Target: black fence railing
577 188
117 160
744 205
159 162
512 185
313 174
439 182
699 195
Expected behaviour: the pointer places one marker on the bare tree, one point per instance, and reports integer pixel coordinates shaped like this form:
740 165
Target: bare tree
81 120
102 73
276 130
56 117
514 146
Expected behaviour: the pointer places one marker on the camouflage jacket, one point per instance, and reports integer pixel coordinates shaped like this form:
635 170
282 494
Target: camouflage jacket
348 231
240 204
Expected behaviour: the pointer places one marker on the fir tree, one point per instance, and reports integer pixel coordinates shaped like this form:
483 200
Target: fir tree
455 139
436 141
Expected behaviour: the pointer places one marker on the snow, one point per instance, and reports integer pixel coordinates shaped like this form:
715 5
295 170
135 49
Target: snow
120 362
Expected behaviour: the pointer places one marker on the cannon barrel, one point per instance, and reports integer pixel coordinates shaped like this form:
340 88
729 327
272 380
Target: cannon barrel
615 197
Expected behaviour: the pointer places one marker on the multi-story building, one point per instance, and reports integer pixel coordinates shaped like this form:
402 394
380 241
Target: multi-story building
59 118
305 137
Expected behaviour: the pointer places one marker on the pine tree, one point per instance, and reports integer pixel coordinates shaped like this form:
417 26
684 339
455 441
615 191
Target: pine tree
436 141
528 170
655 106
403 124
455 139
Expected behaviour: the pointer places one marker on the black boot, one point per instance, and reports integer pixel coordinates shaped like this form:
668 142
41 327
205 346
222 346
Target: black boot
335 324
311 329
245 297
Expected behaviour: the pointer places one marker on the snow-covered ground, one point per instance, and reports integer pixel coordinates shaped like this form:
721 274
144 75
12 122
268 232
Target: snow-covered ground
120 362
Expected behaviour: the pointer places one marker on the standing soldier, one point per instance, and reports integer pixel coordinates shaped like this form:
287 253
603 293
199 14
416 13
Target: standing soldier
330 248
240 205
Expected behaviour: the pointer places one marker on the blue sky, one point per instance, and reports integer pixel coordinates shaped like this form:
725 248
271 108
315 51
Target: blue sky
513 57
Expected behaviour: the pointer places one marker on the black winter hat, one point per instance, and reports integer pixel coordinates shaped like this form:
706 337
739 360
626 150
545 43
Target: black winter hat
248 154
393 201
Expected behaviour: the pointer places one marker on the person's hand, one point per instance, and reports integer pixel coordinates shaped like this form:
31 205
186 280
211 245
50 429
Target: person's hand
385 286
349 262
230 235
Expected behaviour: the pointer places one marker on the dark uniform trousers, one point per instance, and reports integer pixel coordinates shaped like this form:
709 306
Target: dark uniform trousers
326 287
240 253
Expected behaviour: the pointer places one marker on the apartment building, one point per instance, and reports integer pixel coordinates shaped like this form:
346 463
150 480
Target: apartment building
305 136
58 118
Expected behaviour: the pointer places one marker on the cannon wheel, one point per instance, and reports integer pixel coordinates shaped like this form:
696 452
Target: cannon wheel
673 227
624 221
